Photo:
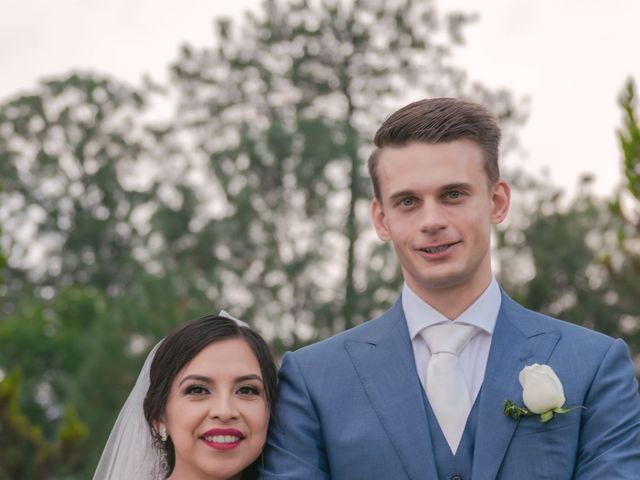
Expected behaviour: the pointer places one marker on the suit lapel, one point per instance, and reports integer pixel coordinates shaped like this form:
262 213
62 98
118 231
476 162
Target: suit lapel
517 341
386 368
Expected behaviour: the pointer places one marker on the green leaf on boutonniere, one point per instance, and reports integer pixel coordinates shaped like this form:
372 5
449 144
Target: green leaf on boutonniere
546 416
514 411
566 410
511 409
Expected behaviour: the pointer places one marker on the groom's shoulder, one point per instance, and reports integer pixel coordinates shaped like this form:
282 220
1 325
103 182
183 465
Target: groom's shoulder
533 322
369 331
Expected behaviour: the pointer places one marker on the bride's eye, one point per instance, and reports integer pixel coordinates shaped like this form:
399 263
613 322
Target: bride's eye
196 390
249 390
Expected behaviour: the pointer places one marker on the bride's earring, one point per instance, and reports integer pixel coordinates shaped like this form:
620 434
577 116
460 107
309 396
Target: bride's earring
164 465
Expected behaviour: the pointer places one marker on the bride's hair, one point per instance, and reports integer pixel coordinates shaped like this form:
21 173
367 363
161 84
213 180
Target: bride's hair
178 349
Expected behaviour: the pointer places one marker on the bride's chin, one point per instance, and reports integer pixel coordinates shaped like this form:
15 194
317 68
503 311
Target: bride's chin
237 476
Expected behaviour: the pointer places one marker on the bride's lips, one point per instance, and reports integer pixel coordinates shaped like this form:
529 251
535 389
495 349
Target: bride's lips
222 438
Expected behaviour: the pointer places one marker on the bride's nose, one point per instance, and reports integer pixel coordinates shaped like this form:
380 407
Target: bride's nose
222 407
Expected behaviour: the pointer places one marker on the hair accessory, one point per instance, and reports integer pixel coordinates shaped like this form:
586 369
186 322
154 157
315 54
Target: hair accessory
240 323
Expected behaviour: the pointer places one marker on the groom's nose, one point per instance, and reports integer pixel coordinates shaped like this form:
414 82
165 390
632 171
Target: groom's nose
431 217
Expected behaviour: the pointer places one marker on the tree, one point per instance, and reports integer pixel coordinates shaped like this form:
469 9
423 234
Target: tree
24 451
3 260
71 153
629 136
550 255
580 260
623 263
71 156
280 114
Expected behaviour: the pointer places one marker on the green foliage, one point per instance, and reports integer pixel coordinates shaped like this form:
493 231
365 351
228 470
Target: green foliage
580 260
623 264
26 453
47 341
3 259
551 257
68 152
629 137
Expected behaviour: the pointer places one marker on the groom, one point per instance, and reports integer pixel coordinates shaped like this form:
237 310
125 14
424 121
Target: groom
418 393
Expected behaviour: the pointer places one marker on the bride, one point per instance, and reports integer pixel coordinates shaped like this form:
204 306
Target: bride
200 407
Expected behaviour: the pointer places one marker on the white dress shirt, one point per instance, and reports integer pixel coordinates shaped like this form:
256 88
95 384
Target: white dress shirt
483 314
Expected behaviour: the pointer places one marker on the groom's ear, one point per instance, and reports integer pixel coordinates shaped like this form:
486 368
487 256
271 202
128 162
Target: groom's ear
378 215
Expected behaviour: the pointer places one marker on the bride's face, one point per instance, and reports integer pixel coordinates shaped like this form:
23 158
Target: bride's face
217 414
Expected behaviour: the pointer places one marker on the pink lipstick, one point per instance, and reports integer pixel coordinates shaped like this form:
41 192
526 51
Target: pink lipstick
222 438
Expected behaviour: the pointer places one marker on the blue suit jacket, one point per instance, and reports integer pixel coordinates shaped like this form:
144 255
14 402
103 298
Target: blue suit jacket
352 407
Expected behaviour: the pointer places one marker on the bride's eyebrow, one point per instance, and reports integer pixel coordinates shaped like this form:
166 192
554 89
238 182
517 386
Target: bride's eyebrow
205 379
245 378
198 378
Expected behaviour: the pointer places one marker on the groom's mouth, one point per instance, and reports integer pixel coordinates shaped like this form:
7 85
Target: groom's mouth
222 438
437 250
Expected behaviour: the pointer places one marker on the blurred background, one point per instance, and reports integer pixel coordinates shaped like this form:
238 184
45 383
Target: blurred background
160 161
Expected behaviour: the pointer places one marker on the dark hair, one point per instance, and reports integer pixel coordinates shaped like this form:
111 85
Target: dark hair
438 120
178 349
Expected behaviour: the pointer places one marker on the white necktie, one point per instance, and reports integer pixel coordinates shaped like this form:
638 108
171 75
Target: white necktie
446 388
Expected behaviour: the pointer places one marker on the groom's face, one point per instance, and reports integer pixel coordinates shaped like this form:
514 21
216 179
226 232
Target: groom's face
437 207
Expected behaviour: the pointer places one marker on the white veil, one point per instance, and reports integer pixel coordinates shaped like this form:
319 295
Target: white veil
129 453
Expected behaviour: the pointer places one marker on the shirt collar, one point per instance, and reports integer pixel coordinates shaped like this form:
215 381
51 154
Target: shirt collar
482 313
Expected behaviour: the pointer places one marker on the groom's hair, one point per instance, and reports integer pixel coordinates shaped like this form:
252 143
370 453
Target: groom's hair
183 345
439 120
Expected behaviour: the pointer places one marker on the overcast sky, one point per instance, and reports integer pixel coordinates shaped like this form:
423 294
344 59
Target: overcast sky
570 57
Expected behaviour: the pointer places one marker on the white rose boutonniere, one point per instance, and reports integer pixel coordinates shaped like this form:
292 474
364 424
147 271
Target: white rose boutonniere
542 394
